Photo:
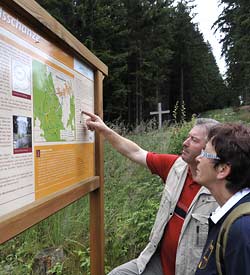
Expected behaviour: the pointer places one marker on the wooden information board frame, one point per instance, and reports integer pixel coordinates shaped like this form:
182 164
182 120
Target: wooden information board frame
21 219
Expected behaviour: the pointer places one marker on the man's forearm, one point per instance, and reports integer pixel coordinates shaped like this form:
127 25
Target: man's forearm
123 145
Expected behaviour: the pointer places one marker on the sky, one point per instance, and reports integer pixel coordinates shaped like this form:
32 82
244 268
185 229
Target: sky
207 13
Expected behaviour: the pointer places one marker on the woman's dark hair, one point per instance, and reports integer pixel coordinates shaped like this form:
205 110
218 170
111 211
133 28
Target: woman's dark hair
232 145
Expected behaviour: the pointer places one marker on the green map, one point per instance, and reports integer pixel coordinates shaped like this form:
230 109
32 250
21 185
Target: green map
54 104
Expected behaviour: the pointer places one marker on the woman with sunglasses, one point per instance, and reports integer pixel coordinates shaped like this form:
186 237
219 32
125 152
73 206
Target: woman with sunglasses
224 169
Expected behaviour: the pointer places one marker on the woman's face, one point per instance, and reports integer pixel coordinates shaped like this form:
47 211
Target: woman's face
206 173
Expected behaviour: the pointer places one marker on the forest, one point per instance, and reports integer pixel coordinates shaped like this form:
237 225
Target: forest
155 53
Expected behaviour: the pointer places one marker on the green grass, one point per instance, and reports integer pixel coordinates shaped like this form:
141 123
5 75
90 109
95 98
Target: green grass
132 198
237 114
67 228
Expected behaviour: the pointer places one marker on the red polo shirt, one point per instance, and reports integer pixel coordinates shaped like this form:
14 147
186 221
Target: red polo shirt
161 164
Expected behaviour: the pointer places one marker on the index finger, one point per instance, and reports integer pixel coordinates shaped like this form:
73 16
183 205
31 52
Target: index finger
89 114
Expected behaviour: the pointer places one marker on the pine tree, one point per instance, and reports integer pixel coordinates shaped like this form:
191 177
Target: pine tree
234 23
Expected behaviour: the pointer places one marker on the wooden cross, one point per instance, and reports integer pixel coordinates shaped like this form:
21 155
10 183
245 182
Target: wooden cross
159 113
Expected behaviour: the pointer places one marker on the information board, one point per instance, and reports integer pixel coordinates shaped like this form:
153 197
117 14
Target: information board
44 146
48 159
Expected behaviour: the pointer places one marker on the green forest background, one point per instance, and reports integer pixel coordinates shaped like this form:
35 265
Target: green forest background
155 54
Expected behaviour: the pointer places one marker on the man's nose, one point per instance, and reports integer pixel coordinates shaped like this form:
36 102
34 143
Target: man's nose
186 141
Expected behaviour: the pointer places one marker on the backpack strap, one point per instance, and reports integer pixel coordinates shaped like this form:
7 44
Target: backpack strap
242 210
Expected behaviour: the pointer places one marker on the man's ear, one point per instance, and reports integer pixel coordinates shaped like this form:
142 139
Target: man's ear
223 170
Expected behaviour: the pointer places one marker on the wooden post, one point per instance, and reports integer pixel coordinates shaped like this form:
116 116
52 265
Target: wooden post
159 113
97 197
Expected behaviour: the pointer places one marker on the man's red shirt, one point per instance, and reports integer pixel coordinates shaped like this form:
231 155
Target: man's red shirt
161 164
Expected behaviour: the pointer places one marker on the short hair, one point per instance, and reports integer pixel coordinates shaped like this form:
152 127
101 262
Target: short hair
231 142
206 123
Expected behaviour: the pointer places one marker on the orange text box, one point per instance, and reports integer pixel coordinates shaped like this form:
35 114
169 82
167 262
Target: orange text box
58 166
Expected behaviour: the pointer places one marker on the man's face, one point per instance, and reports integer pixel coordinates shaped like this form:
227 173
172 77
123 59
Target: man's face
193 144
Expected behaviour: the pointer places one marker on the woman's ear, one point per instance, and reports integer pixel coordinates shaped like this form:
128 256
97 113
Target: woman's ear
224 170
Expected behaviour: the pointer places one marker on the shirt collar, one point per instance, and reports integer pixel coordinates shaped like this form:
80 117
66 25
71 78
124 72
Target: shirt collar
221 211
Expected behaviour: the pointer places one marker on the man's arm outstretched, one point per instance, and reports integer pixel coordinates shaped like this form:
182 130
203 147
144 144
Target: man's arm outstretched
123 145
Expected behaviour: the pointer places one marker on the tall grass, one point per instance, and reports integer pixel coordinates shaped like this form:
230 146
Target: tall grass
67 228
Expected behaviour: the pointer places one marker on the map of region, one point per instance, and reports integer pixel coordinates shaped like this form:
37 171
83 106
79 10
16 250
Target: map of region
54 104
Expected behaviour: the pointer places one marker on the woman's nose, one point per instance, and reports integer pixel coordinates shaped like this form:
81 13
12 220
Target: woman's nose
198 158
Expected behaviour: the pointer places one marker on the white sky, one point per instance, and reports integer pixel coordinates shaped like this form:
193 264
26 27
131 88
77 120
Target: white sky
207 13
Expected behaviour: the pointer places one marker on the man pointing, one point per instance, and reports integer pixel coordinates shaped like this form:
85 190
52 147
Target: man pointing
181 225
